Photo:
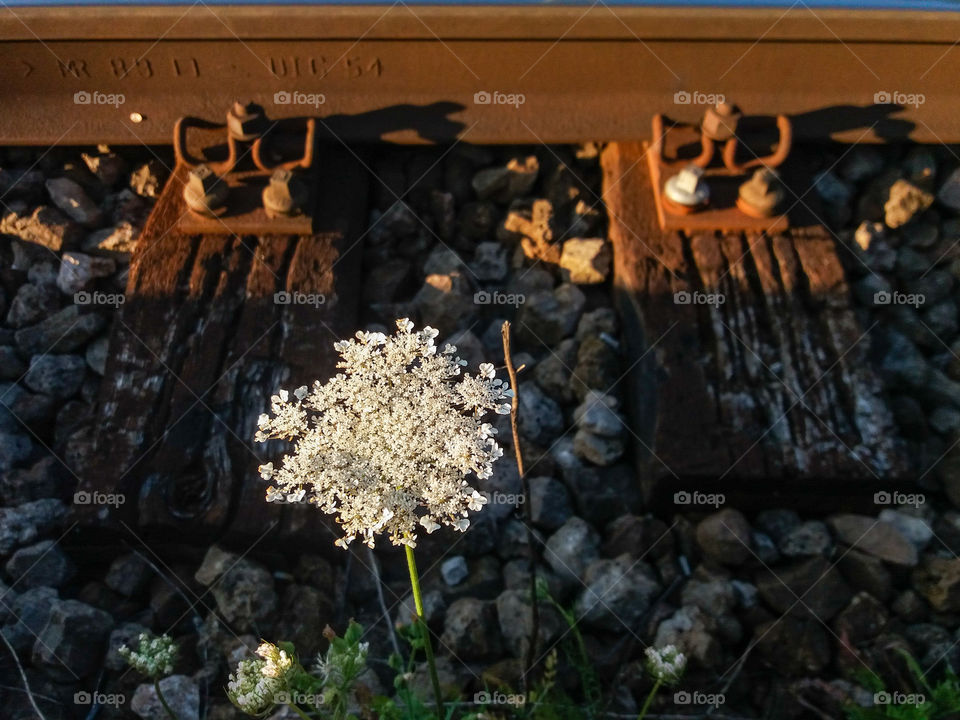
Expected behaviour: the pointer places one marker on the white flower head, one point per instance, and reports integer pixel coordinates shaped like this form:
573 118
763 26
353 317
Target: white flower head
387 443
665 664
154 657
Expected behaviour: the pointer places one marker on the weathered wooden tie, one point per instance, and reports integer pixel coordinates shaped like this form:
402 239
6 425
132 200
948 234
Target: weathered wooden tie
769 390
201 344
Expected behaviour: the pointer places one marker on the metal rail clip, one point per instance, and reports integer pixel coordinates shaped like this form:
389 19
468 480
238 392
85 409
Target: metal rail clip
258 182
702 182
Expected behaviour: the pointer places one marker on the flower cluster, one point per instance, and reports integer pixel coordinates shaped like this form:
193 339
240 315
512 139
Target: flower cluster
665 664
258 685
387 443
154 656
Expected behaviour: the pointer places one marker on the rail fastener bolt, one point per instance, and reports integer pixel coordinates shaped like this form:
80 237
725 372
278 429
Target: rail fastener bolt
205 193
246 121
284 196
762 194
687 191
720 121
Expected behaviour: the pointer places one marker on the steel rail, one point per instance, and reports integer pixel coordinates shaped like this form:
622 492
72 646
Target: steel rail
511 74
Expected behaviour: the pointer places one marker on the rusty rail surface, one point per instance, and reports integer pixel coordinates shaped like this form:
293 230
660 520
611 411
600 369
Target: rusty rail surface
481 74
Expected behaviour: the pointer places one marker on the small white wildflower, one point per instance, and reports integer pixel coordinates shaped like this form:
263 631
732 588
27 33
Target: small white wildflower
385 445
154 656
276 661
665 664
252 691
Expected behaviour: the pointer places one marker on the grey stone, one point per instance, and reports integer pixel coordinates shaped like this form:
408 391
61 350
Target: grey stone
25 523
832 189
598 367
586 261
571 549
44 564
549 503
11 366
31 611
618 593
949 192
554 371
916 529
434 607
600 450
31 304
45 227
506 183
71 198
63 332
515 618
128 574
59 376
15 448
725 536
598 414
74 640
96 355
548 317
880 539
123 635
810 538
540 418
147 180
815 582
243 589
489 261
861 163
905 201
454 570
181 693
690 630
471 630
116 243
79 271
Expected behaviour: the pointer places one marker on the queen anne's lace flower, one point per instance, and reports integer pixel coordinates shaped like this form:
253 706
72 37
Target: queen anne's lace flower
386 444
154 656
251 690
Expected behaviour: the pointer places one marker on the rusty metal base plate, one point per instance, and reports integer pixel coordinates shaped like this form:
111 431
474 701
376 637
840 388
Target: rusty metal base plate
721 214
244 213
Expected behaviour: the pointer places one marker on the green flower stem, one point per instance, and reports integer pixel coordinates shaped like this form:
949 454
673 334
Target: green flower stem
298 711
428 648
163 701
646 705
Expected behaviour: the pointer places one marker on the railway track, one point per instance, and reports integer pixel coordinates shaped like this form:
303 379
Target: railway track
201 291
506 75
